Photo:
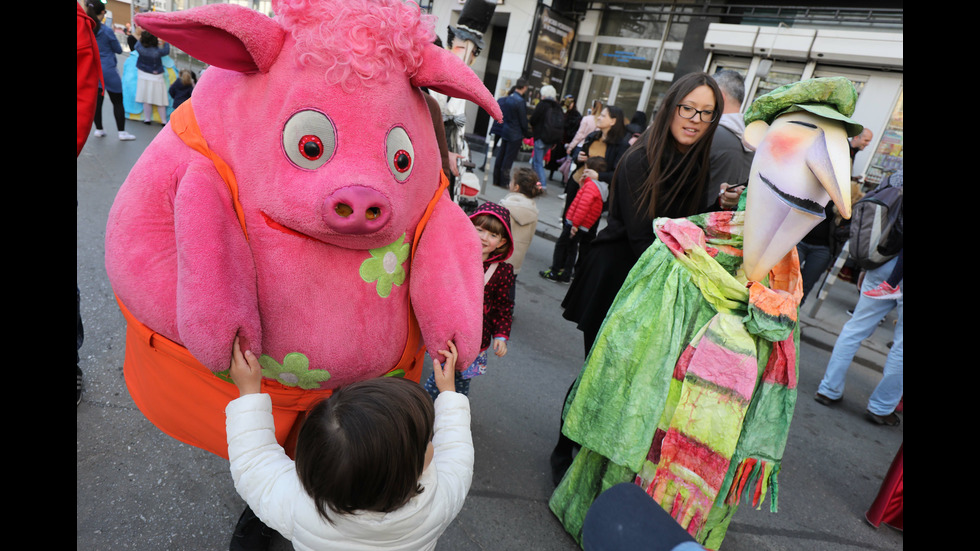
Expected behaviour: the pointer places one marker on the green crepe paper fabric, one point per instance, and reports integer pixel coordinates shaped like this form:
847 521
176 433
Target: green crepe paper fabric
625 388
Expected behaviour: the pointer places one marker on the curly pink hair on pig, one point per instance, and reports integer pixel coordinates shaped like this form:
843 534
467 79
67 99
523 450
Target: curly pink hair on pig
369 39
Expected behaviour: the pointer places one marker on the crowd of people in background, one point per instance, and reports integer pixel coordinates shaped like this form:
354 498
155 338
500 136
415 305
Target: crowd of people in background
690 159
153 91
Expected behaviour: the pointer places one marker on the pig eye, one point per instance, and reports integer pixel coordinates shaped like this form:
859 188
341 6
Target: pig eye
401 154
309 139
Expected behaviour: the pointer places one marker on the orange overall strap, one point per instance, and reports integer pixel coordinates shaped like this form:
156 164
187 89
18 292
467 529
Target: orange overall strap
411 361
184 124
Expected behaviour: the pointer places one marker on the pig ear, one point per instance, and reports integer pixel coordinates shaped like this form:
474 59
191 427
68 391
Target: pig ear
445 73
229 36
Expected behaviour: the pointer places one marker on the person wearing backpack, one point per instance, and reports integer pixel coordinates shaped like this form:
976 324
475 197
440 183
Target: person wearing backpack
547 128
867 313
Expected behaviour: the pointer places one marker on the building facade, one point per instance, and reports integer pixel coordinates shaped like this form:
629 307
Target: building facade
628 53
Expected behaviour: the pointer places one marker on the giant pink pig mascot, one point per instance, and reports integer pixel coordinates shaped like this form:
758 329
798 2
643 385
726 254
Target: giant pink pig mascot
285 203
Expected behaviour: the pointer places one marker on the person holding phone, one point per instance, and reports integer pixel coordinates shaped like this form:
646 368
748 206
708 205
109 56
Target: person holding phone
730 159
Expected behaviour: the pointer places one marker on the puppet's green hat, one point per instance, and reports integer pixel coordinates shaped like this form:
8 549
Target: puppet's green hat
831 98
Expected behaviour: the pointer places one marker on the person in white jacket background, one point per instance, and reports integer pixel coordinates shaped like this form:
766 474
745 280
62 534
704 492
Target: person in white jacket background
378 465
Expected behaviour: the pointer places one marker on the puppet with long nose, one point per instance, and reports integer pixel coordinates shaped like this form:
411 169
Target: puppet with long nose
690 387
802 161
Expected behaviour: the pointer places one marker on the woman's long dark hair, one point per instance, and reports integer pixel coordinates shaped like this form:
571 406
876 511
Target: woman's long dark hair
94 9
618 131
689 171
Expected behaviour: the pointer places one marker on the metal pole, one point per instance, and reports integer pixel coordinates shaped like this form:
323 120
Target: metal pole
829 279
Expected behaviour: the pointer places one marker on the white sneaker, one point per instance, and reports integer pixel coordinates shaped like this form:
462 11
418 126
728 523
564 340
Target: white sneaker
100 133
125 136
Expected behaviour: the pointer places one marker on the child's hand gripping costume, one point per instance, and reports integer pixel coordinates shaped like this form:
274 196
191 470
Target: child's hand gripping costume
690 386
296 201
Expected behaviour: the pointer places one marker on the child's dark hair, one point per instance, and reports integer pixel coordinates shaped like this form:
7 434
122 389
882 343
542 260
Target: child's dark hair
494 225
526 181
148 40
364 447
596 163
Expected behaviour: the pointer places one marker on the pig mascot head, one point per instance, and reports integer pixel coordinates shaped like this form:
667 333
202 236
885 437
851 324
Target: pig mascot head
296 202
802 161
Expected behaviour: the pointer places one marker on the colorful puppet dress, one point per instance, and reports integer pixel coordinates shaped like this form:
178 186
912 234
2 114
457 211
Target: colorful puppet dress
690 387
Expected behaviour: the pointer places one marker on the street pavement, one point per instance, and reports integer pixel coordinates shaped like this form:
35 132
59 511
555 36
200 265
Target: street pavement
137 488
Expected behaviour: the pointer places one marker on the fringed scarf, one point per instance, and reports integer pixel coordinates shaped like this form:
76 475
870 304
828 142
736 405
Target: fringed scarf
691 384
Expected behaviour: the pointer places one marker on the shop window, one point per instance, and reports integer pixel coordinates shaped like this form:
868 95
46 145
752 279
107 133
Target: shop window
628 96
888 156
629 57
599 89
632 25
668 64
573 81
678 28
778 75
657 91
582 47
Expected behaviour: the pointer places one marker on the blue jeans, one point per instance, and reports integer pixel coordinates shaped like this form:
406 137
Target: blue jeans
862 325
537 160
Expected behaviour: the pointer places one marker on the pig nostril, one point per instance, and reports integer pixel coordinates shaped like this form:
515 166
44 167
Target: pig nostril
372 213
343 210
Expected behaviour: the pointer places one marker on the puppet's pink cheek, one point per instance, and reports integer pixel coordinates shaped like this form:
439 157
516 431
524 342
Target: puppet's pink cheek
781 144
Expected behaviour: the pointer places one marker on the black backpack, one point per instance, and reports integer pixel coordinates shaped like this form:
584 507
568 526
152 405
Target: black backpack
877 224
554 126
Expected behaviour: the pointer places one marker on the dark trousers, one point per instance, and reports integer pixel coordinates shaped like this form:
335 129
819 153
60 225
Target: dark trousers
566 250
505 160
118 112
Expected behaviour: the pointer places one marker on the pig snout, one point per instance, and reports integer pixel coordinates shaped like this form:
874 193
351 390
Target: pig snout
356 210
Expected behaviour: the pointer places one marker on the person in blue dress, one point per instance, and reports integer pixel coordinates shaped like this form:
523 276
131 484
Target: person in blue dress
109 46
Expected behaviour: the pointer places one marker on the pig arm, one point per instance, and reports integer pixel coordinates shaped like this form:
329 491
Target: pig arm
447 284
216 279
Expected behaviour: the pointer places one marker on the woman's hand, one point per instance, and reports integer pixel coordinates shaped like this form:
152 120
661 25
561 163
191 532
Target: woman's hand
445 374
728 199
245 370
589 173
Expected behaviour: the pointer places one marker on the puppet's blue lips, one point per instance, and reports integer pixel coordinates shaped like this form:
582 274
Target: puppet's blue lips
806 205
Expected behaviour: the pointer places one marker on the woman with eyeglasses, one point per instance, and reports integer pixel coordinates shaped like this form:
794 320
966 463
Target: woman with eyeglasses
664 174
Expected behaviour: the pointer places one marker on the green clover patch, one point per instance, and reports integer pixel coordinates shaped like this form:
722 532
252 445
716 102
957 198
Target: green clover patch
294 371
385 266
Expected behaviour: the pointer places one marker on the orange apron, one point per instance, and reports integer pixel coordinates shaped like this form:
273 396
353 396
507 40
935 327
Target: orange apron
185 399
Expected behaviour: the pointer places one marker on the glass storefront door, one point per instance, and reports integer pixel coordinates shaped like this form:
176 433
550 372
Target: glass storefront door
615 90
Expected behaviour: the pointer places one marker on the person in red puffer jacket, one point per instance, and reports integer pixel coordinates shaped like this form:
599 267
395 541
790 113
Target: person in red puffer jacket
586 208
582 214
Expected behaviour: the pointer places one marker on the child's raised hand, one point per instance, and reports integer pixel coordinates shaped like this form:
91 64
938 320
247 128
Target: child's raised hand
245 370
445 374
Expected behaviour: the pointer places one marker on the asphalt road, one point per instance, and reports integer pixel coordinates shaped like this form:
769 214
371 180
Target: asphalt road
137 488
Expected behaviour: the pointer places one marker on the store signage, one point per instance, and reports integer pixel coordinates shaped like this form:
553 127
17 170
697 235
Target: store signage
550 51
